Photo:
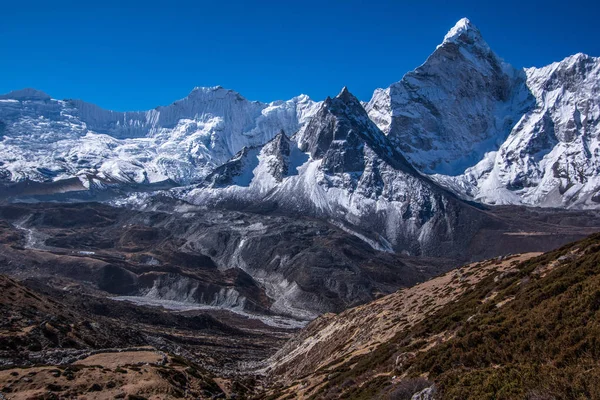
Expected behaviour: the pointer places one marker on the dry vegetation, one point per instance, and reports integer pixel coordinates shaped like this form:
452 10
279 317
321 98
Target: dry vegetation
525 327
333 343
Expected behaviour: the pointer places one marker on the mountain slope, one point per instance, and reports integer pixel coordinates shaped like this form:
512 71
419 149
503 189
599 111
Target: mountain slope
192 258
341 167
43 139
550 157
461 103
495 134
519 327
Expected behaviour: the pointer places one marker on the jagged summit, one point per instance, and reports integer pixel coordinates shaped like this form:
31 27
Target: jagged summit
462 27
337 118
183 141
344 93
446 114
26 94
466 36
343 136
301 97
280 137
345 99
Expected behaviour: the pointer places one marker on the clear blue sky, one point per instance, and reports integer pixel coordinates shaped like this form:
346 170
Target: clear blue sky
144 54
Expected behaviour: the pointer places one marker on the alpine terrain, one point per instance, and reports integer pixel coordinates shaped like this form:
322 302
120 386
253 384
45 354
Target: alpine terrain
493 133
436 242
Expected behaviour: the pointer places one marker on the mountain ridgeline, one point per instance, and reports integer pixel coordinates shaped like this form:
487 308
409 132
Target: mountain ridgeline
479 127
175 252
440 164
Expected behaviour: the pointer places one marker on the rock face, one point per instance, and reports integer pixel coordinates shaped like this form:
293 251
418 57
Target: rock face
495 134
274 157
341 167
43 139
462 102
551 157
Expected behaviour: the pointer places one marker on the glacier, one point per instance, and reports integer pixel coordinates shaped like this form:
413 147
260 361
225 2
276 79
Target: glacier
43 139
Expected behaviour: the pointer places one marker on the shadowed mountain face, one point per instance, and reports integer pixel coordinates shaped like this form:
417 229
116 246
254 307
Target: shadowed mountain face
245 262
339 133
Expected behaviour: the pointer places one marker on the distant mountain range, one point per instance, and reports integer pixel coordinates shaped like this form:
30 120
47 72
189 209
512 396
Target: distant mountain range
184 244
473 123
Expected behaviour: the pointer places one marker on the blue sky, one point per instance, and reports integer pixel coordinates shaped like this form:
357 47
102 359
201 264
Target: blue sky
133 55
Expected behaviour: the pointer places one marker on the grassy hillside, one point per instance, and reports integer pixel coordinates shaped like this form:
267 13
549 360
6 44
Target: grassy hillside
529 332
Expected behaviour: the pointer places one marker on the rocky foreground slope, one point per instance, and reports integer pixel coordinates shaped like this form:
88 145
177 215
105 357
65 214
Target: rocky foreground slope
523 326
54 347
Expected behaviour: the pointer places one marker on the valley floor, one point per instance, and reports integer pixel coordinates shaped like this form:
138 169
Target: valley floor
70 327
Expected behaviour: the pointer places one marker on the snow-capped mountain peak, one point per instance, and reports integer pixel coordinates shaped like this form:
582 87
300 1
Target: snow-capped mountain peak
494 133
48 140
344 93
485 130
336 120
26 94
464 30
551 157
461 103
